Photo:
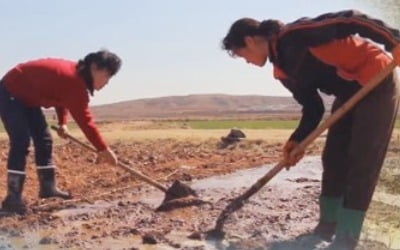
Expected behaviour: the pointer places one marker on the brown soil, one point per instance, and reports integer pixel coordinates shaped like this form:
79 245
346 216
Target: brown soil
163 160
130 218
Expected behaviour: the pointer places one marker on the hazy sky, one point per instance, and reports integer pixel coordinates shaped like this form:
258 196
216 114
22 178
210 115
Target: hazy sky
168 47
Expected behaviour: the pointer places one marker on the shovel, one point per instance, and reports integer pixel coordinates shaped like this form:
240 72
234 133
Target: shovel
237 203
178 195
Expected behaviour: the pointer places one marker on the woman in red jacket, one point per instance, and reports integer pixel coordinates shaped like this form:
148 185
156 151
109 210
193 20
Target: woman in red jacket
332 54
49 82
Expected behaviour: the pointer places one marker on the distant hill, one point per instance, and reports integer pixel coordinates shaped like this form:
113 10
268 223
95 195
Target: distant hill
196 106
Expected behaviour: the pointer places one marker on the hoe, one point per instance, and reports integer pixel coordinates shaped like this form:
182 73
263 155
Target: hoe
178 195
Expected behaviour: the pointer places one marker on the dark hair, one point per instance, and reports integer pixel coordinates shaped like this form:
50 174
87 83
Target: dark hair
248 27
103 59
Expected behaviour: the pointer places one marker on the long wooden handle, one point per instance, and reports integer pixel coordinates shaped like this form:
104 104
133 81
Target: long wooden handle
120 164
372 83
349 104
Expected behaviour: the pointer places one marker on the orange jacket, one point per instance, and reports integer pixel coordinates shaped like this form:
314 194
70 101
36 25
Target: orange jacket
335 53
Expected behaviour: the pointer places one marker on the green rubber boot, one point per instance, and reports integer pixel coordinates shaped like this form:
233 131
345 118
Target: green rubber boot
348 229
329 208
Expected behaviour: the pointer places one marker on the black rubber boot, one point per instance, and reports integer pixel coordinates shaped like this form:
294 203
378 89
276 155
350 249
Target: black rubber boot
13 202
47 181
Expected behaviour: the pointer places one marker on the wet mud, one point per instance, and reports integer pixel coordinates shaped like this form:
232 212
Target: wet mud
113 210
129 220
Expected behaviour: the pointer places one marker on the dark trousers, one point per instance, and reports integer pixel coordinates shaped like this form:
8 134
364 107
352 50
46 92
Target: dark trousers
21 124
356 146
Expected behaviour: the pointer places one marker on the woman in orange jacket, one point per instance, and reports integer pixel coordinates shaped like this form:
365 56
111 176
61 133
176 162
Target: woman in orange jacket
333 54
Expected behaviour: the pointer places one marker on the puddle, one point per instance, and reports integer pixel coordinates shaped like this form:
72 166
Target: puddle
308 169
84 208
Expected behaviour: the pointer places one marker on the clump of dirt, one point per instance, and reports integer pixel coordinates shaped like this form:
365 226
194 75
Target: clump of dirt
152 238
178 190
180 203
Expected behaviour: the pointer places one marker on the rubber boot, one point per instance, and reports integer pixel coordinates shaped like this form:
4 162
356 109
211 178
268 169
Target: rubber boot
324 231
13 202
329 208
348 230
47 181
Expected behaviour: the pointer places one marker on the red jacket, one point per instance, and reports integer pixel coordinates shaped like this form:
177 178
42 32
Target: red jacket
55 83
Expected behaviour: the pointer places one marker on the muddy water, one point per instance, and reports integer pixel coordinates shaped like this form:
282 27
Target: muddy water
272 219
308 170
